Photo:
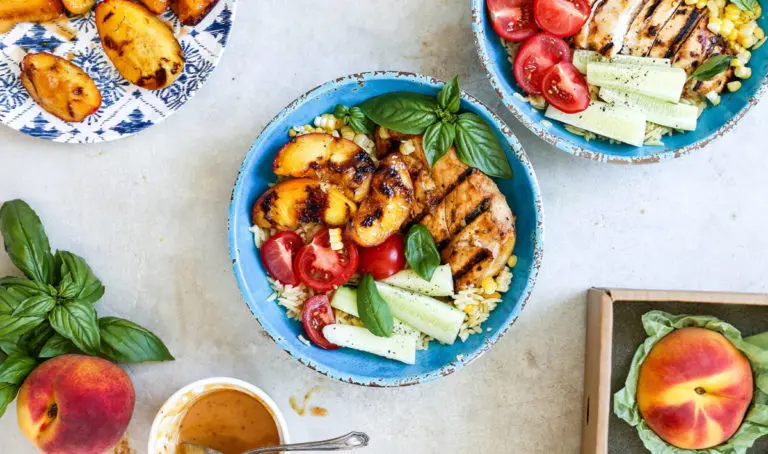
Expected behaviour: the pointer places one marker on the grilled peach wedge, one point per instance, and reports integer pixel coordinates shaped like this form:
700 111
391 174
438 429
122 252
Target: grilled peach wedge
156 6
388 205
78 7
192 12
13 12
327 158
293 202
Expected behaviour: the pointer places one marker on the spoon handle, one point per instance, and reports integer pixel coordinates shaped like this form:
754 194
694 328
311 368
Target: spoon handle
352 440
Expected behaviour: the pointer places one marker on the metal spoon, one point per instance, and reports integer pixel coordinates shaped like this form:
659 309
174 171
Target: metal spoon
352 440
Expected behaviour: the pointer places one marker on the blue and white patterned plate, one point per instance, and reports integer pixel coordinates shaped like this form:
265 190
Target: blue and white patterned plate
126 109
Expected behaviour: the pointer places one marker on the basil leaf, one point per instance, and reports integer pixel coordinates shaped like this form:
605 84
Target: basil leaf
7 394
359 122
478 147
13 327
12 347
35 305
373 310
25 241
77 280
714 65
76 320
438 139
9 301
57 345
745 5
404 112
27 286
35 340
126 342
16 368
421 252
450 95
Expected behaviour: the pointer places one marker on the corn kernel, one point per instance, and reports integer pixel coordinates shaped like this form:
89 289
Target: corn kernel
714 11
292 132
733 36
743 72
747 29
407 147
726 27
512 261
469 308
720 4
691 2
757 11
744 56
347 133
734 86
495 295
759 33
759 44
364 142
489 285
328 122
701 4
714 25
384 133
713 97
736 63
746 41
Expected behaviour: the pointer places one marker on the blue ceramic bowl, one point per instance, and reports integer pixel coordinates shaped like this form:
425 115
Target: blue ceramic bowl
351 366
713 123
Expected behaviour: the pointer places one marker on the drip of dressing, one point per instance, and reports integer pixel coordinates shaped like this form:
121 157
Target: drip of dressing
229 421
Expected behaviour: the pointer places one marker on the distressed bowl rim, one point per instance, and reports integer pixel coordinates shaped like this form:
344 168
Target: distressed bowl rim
538 233
478 30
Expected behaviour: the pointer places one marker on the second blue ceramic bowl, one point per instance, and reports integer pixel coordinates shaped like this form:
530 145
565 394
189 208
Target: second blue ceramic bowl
351 366
713 123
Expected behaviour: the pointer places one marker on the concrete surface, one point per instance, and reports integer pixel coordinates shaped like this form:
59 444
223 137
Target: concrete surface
150 215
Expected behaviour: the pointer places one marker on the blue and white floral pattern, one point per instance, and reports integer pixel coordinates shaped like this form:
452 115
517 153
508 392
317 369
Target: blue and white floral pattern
126 109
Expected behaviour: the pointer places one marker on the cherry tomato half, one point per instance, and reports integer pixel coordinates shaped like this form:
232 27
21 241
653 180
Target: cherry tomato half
561 18
385 259
535 56
277 254
321 268
565 88
512 19
316 315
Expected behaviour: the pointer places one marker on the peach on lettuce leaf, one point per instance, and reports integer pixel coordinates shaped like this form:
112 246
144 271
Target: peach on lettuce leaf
696 385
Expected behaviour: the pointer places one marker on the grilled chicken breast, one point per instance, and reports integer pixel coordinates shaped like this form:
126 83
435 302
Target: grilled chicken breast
387 206
609 23
676 31
472 224
646 26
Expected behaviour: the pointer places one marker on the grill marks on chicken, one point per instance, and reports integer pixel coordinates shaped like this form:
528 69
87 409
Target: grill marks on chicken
660 29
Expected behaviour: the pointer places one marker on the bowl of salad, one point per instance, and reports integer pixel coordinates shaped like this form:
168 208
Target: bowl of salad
386 228
627 81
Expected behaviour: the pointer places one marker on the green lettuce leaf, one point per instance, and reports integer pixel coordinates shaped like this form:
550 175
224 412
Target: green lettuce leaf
658 324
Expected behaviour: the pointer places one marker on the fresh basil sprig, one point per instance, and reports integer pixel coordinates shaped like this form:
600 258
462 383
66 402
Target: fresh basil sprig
373 309
714 65
355 118
745 5
420 251
50 312
438 119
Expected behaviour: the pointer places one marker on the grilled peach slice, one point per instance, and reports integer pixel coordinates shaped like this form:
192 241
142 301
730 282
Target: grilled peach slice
78 7
13 12
327 158
387 206
60 87
302 200
192 12
141 46
156 6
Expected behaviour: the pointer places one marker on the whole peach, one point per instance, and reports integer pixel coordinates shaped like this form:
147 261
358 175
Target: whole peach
75 404
694 388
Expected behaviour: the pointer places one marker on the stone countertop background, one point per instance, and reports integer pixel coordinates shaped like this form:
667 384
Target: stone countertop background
150 215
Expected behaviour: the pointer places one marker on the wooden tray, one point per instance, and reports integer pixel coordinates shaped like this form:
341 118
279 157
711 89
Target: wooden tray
614 331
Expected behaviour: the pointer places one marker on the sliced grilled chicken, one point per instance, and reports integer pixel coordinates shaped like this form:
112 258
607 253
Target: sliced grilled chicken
610 23
646 26
696 48
387 206
472 225
676 31
695 88
581 39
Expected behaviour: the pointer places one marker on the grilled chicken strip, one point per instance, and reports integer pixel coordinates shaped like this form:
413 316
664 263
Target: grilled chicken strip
694 88
472 225
581 39
387 206
13 12
646 26
676 31
609 24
